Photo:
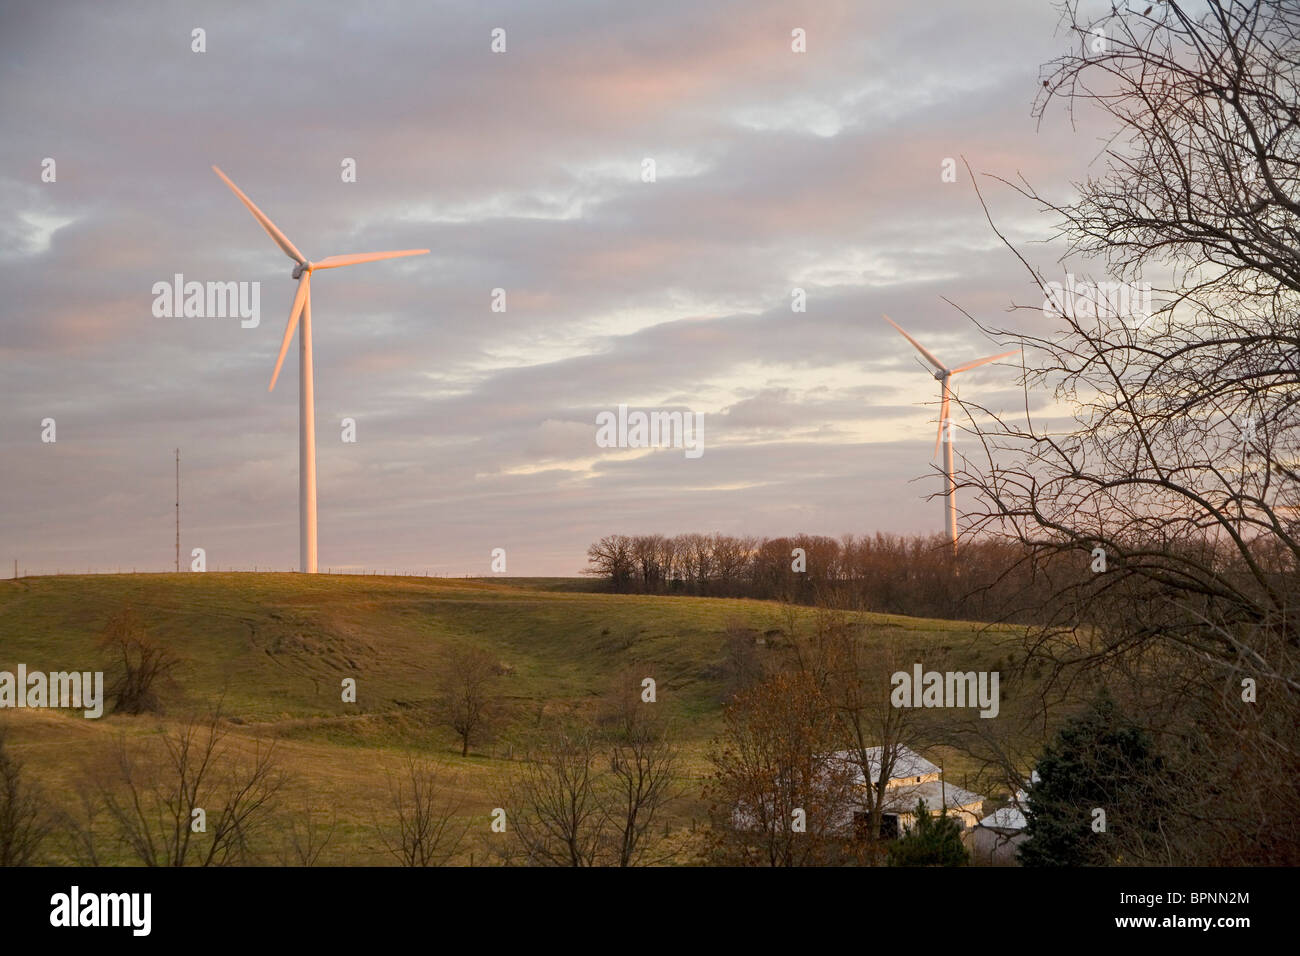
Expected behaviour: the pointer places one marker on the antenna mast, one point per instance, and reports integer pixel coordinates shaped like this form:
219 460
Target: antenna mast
178 509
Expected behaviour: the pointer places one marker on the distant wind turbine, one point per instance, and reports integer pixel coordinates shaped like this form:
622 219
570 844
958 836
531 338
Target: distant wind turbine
302 271
942 373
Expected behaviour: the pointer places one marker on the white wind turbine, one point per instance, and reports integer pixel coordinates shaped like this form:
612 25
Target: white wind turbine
302 271
942 373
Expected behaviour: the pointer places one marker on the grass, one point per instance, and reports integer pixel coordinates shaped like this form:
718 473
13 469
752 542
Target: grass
274 648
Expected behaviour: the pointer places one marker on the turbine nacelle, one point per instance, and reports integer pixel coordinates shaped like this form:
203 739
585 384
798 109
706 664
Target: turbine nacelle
300 268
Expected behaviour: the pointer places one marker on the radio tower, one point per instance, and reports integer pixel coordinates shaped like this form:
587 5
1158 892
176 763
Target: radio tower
178 509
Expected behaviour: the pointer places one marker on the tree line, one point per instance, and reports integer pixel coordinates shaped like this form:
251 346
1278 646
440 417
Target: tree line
986 580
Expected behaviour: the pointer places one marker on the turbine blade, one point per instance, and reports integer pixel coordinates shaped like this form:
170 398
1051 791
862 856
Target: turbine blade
929 356
943 419
299 299
280 239
333 262
984 361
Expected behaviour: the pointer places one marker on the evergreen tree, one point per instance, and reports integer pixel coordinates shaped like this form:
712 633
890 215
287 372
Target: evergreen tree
1098 760
931 841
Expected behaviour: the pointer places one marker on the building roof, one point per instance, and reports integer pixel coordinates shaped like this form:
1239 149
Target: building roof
907 764
936 794
1009 817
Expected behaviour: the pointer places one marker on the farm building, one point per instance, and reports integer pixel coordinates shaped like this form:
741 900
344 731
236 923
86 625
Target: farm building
993 841
912 778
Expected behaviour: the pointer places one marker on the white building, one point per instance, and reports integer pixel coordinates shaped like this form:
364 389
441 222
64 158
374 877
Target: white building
993 841
911 778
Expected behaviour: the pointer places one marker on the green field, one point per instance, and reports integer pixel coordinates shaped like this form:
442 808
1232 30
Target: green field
274 648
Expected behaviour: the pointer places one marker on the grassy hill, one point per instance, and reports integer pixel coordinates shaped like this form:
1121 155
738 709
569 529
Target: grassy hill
275 647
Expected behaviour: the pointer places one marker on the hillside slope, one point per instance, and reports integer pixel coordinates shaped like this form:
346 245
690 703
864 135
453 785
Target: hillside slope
274 648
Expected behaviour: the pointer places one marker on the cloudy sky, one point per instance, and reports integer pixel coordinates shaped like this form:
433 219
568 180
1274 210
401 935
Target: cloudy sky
521 170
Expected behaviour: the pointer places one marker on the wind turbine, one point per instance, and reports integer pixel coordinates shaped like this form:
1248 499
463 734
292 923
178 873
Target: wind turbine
302 271
942 373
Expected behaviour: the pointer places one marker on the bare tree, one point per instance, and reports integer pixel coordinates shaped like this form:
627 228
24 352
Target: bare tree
648 552
305 835
643 779
852 667
731 560
466 693
877 732
24 820
1180 467
611 557
423 828
698 564
558 815
1167 509
79 826
141 664
187 797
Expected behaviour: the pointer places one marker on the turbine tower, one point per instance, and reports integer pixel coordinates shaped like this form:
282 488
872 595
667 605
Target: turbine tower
942 374
302 271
